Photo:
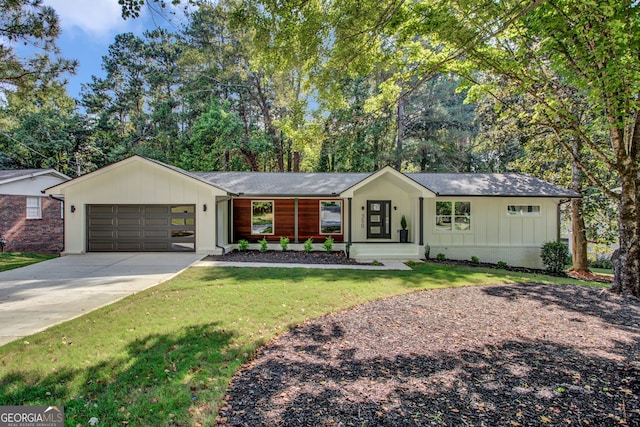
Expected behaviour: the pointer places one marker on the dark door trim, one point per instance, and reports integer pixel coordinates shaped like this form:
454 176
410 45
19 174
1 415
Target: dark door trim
378 219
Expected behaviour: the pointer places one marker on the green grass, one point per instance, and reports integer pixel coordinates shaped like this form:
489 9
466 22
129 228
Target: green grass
606 271
165 355
11 260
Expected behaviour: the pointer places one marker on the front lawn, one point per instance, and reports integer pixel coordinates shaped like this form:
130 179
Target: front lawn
165 355
11 260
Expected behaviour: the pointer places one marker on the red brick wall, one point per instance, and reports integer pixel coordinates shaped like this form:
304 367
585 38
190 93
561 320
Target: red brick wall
44 235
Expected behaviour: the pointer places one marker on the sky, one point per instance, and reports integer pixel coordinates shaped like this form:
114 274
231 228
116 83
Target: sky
89 27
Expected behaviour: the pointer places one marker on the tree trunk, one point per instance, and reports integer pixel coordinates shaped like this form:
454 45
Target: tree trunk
400 135
627 263
578 238
578 229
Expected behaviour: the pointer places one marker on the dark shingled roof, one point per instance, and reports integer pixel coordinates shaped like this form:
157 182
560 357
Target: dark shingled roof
489 184
283 183
328 184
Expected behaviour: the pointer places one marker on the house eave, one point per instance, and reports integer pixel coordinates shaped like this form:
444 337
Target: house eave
503 196
288 196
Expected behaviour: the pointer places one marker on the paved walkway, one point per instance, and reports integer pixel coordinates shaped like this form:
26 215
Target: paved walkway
388 265
41 295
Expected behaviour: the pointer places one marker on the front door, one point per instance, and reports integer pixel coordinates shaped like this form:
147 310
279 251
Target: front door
378 219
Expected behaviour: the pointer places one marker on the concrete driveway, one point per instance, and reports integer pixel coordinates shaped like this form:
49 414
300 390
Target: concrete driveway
41 295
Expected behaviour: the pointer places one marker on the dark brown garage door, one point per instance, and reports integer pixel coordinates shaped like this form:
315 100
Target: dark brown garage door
140 228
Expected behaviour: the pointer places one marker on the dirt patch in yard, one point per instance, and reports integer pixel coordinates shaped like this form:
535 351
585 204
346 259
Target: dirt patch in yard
516 355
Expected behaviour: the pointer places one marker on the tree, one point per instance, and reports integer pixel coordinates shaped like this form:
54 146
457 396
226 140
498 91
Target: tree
592 45
354 140
217 140
440 127
30 23
51 138
118 100
223 63
508 120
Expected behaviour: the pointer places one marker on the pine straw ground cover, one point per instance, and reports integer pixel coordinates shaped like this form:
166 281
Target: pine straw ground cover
508 355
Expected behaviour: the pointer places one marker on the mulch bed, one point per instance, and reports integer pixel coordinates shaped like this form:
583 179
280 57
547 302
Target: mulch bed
508 355
290 257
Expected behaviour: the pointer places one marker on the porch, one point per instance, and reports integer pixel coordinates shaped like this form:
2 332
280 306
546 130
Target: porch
382 251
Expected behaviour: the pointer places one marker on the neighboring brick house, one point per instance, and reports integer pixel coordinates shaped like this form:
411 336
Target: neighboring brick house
29 220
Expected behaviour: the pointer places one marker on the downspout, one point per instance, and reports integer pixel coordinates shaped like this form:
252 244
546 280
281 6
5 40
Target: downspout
421 215
349 220
64 222
561 202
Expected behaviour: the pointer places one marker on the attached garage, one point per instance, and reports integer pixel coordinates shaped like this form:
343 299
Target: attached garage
142 205
140 228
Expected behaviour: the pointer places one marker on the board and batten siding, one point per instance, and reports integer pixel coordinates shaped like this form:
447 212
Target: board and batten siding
495 235
284 220
135 181
404 201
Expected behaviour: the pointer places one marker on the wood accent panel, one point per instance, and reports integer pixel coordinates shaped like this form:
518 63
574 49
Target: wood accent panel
284 220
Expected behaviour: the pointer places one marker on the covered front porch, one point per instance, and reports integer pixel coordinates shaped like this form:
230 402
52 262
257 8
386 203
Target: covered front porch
376 207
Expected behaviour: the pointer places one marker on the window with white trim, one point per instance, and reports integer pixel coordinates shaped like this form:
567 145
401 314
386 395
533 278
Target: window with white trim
453 216
529 210
34 207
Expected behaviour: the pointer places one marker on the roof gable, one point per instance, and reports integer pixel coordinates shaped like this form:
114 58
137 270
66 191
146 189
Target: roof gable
13 175
133 159
398 177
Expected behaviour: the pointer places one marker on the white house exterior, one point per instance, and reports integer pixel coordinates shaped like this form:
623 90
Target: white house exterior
140 204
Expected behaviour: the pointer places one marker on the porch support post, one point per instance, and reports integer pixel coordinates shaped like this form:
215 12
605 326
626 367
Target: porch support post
350 224
295 220
421 228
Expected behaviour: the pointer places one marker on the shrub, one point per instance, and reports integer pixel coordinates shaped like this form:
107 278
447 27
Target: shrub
602 261
475 259
403 222
555 256
502 264
243 245
284 243
328 244
263 245
308 245
441 257
376 262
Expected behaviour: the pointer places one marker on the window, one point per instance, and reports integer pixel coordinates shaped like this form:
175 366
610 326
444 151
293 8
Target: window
453 216
530 210
34 208
330 217
262 217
